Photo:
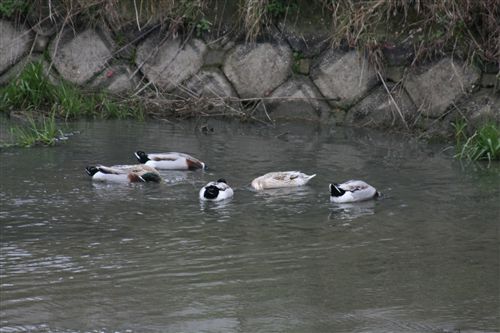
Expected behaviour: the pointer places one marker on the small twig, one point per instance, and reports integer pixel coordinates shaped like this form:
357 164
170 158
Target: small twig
392 99
137 16
265 111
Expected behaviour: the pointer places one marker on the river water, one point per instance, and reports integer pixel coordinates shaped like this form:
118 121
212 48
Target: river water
83 257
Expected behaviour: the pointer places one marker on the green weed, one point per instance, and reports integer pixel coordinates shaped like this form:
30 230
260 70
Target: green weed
280 8
9 8
483 144
202 27
32 91
37 132
109 109
297 57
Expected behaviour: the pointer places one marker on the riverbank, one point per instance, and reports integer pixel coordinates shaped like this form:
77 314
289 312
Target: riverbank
264 61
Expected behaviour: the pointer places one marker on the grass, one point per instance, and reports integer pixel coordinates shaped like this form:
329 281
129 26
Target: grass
33 94
297 58
430 26
483 144
280 8
173 14
43 131
468 28
9 8
32 91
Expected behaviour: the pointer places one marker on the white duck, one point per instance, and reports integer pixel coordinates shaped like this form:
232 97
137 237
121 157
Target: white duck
216 191
170 161
124 173
281 179
352 191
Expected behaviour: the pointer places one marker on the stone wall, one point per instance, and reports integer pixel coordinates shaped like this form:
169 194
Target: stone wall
292 75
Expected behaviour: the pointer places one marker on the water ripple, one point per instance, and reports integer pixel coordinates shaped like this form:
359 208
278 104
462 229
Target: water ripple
77 256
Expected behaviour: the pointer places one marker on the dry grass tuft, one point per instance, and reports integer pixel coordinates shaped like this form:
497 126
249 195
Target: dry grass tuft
466 28
432 27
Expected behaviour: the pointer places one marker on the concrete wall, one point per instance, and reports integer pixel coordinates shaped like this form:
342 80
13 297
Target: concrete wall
291 75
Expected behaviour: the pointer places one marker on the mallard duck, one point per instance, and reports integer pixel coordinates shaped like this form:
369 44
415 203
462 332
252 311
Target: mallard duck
124 173
170 161
281 179
216 191
352 191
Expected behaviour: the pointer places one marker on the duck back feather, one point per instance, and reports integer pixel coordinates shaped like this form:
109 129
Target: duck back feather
281 179
170 161
352 191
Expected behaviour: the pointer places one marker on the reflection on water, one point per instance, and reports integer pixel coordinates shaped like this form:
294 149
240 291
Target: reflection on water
221 210
351 211
77 256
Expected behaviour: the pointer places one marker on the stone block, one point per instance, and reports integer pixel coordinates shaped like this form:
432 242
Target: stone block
298 98
344 78
436 87
79 57
212 85
255 70
15 42
14 72
210 82
117 79
378 110
480 108
167 64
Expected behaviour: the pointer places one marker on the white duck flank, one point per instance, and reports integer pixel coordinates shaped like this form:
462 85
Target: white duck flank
281 179
352 191
169 161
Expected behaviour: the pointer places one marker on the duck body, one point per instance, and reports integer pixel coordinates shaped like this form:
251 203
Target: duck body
352 191
169 161
137 173
216 191
281 179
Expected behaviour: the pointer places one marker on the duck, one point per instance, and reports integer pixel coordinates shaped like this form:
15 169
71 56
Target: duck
138 173
281 179
352 191
216 191
169 161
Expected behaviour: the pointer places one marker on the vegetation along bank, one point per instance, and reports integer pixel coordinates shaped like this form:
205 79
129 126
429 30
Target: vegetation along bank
427 67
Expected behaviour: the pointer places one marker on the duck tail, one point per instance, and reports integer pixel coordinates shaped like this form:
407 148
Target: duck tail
311 177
